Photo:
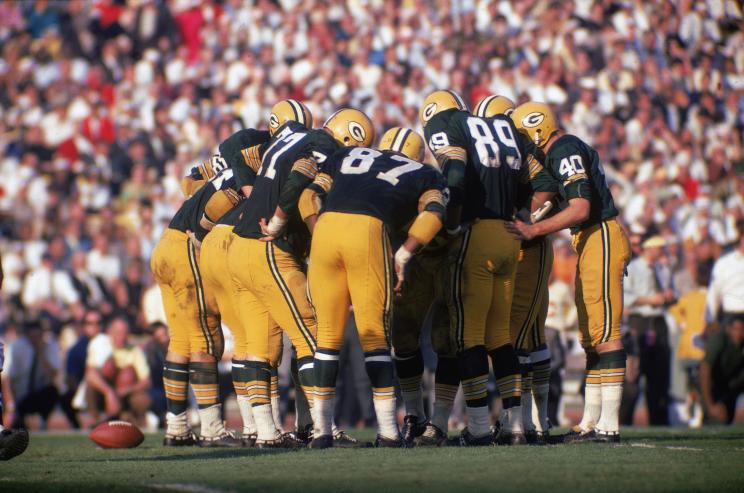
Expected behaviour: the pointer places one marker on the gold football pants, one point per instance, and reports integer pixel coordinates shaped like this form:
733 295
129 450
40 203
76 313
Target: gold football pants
351 263
217 280
191 311
422 296
604 252
484 264
530 300
269 286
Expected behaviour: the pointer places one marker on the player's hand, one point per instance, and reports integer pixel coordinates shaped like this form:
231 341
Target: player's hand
520 229
273 229
402 256
193 238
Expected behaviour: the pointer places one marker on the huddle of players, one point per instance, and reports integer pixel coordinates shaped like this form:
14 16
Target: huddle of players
274 202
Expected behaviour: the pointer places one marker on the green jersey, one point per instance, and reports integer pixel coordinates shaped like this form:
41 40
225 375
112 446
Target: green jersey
577 167
232 152
495 157
382 184
289 163
194 213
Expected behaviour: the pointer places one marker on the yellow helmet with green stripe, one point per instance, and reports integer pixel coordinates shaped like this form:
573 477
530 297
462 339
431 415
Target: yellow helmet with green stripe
494 105
405 141
289 110
439 101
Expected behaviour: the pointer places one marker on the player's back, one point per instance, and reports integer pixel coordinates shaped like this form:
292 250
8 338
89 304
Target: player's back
191 215
494 156
290 145
382 184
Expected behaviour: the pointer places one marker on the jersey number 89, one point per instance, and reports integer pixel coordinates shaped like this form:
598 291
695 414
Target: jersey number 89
490 147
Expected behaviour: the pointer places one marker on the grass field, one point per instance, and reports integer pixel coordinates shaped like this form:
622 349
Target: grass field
673 460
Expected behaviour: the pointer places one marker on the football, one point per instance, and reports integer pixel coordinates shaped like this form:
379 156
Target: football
117 434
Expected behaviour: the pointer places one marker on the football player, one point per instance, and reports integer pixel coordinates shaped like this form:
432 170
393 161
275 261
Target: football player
530 301
482 159
603 251
196 341
422 296
213 259
369 195
265 258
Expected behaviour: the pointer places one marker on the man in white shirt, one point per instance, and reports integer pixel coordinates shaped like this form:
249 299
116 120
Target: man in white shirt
726 291
48 289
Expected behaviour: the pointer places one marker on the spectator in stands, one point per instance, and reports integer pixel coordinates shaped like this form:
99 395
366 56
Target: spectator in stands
31 367
722 371
726 293
689 313
647 292
76 355
119 384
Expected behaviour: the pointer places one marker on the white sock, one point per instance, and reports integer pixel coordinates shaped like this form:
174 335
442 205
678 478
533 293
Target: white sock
612 394
513 420
265 423
540 410
592 407
323 410
275 412
176 424
479 421
211 421
246 412
387 424
441 414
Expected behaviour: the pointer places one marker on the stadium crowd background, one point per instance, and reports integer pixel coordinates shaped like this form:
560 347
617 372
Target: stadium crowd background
105 104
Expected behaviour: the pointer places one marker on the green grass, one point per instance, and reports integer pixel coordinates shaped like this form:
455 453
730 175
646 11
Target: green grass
674 460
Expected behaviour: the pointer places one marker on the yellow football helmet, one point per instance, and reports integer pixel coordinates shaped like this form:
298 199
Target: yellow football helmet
439 101
536 120
405 141
494 105
289 110
350 127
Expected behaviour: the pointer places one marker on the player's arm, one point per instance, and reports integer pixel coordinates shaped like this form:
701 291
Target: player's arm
575 182
304 171
251 160
430 219
311 199
452 158
217 206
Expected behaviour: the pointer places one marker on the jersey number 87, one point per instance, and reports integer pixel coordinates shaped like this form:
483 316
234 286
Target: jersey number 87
361 159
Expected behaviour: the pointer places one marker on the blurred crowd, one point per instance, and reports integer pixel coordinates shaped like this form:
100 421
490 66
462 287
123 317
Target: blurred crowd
104 104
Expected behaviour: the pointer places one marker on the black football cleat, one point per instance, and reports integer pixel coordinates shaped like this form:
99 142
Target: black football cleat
249 440
225 440
506 437
302 436
384 442
468 440
412 428
535 437
187 440
321 442
577 435
282 442
341 439
607 436
13 442
432 436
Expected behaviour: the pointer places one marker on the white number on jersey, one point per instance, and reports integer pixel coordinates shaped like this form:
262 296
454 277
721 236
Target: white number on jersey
488 145
361 159
570 166
391 176
438 140
286 139
219 179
